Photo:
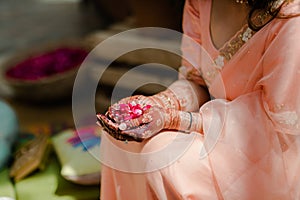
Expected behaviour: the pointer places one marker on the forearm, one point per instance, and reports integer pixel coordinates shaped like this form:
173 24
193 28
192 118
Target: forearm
183 95
183 121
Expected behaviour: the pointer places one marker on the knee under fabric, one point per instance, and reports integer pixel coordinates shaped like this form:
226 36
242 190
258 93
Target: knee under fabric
8 131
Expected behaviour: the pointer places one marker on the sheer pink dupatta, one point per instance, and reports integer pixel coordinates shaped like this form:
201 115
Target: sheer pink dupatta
252 141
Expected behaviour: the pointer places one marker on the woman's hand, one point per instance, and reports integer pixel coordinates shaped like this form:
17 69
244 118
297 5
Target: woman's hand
112 128
157 119
138 128
165 99
150 122
119 111
147 125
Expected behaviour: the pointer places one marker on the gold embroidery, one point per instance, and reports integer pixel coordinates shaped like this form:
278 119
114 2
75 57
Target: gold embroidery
288 118
230 48
219 62
236 43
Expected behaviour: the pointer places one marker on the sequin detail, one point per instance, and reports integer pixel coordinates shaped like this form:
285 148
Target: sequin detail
233 46
290 119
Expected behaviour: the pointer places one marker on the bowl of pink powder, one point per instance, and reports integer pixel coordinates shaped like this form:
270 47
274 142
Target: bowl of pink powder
46 73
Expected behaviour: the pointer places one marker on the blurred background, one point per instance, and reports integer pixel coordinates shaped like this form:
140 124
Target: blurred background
32 34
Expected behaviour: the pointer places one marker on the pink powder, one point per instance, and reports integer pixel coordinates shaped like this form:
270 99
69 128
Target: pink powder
47 64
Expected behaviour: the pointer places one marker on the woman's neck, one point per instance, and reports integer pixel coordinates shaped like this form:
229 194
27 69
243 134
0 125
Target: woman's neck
227 18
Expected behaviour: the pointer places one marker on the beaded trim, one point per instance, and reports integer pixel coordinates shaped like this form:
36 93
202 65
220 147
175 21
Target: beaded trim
241 1
228 51
243 36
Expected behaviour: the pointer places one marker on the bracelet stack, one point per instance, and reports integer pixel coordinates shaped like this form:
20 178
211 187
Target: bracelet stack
168 99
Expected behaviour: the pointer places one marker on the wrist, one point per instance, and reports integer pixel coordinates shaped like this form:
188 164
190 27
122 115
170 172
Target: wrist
195 122
183 121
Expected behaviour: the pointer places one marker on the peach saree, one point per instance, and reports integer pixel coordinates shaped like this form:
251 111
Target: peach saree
250 144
